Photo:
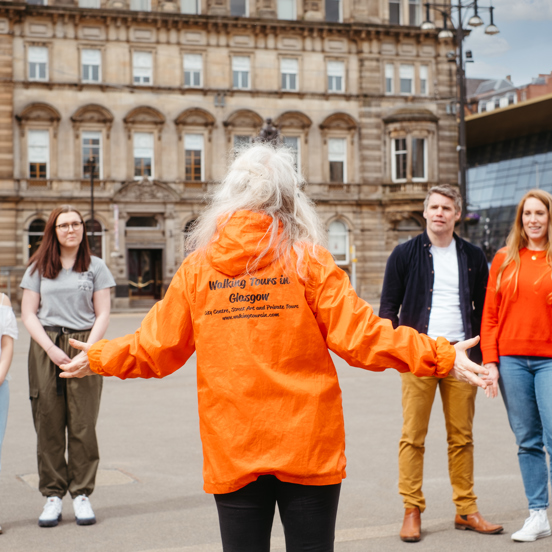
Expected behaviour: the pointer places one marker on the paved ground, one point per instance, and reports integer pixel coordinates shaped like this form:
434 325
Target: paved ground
150 498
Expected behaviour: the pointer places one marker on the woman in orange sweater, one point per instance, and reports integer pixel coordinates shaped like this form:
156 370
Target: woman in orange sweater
516 342
261 302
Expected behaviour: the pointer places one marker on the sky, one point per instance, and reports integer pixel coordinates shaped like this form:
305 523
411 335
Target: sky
522 49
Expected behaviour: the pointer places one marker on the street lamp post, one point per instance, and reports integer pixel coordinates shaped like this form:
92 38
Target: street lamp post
92 166
462 9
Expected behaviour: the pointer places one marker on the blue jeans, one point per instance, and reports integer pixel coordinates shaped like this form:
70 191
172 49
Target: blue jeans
4 404
526 386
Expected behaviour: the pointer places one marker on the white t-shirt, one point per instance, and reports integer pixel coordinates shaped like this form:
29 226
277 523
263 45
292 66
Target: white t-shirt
8 325
445 318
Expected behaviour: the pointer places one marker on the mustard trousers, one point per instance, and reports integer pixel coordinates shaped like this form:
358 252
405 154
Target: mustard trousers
459 407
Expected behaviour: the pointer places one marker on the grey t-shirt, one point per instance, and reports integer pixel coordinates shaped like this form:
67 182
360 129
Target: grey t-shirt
67 300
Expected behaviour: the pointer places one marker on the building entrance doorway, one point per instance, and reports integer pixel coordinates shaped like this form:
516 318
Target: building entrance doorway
145 273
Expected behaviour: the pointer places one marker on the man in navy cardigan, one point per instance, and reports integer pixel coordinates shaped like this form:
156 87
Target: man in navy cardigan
435 283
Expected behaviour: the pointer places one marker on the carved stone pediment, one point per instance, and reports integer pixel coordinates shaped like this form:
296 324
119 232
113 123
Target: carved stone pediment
339 121
39 112
293 119
244 118
410 114
195 116
144 115
146 190
92 113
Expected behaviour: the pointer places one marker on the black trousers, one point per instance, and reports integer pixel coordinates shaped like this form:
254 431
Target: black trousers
308 514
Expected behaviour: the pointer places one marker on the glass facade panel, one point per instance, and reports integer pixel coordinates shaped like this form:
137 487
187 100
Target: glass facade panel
498 176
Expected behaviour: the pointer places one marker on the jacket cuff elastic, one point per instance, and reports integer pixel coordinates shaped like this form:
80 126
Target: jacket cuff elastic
446 355
94 357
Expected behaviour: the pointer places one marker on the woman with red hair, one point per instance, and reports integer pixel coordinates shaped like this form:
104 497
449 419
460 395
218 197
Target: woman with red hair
516 342
66 294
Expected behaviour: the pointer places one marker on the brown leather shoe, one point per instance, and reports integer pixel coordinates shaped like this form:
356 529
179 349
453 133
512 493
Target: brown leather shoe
412 525
476 522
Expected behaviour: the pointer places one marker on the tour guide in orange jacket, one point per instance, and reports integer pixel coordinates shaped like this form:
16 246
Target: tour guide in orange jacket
262 323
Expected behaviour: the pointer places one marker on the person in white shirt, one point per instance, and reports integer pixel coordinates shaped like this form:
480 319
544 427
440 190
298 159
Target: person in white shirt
437 281
8 332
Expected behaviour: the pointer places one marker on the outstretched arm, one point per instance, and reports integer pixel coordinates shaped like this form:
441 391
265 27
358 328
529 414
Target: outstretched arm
357 335
162 344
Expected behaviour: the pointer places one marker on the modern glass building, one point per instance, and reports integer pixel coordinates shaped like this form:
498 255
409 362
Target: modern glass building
509 153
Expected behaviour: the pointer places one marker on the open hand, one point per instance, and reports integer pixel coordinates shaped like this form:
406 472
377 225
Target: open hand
466 370
78 367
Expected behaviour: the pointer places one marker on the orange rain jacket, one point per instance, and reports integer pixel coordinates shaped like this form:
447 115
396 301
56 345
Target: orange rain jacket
269 398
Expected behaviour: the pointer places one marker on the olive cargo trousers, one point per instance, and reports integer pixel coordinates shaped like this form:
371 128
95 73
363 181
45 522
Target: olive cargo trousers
458 400
64 414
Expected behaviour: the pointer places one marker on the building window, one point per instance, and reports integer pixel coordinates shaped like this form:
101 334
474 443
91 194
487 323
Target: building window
143 154
91 61
399 159
89 4
241 140
96 244
142 68
241 67
423 80
419 172
239 8
36 232
411 164
185 235
414 7
389 78
336 76
289 68
406 76
511 99
333 11
39 153
192 7
338 242
337 154
140 5
294 144
193 146
394 12
38 63
496 103
193 67
91 149
286 9
37 2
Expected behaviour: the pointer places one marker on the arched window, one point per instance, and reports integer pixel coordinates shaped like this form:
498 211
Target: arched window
96 244
338 242
185 234
35 233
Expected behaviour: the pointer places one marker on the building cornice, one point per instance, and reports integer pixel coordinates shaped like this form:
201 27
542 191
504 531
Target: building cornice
19 11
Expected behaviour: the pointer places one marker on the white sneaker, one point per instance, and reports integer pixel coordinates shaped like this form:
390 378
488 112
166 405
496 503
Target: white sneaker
536 526
51 514
83 511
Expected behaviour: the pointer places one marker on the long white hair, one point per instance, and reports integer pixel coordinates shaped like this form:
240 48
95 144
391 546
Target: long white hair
263 178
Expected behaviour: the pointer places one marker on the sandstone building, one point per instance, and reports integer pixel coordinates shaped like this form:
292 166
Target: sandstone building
157 93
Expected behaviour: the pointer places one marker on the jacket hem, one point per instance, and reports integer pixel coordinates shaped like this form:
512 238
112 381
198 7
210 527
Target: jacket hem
317 481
